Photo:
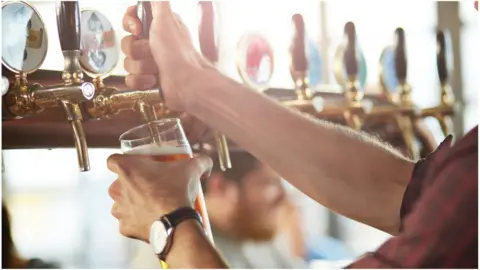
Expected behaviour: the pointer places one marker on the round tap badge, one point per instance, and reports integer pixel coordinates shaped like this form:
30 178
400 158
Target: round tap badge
256 61
389 75
5 85
24 38
99 53
88 90
315 64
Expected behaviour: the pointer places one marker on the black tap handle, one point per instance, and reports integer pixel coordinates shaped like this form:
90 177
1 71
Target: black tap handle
68 23
400 55
206 31
443 38
144 13
299 58
350 56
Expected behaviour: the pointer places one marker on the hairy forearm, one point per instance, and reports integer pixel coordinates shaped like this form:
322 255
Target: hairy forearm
192 249
347 171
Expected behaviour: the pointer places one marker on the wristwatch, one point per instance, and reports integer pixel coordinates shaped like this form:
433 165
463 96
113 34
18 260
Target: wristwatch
161 231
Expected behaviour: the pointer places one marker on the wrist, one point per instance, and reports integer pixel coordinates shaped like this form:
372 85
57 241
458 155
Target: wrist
165 206
188 236
199 84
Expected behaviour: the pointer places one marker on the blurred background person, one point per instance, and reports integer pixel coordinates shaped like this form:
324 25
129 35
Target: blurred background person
245 206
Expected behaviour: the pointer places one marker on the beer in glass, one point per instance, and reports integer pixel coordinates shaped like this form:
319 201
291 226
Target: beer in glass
164 141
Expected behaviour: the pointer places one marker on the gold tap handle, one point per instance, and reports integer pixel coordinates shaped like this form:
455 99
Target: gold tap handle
74 116
400 56
144 13
299 62
350 62
353 120
406 127
405 123
442 61
208 46
68 22
446 124
350 59
444 66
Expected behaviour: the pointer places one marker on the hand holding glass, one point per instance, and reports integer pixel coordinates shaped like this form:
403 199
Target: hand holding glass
164 141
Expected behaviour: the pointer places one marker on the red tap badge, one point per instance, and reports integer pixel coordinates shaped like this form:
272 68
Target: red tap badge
259 58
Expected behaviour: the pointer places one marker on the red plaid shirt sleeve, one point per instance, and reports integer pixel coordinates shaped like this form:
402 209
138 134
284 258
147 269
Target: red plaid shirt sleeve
439 213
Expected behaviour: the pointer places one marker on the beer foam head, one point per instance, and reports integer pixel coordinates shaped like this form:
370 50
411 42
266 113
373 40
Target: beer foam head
160 150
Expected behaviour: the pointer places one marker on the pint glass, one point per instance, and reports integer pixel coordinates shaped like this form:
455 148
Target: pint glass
164 141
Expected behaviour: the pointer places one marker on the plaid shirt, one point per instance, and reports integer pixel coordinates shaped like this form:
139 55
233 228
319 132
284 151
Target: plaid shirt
439 213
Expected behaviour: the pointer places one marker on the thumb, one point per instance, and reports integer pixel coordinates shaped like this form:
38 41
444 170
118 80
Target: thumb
117 163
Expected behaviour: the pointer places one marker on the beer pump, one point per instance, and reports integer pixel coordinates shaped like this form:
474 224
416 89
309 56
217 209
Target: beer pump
346 70
393 81
110 101
209 48
25 99
306 101
445 110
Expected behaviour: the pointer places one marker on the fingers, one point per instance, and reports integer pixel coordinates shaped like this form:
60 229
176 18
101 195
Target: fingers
144 66
115 190
136 48
115 211
120 164
141 82
130 21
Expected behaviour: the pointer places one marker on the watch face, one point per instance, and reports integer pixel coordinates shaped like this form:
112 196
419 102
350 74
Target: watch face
158 237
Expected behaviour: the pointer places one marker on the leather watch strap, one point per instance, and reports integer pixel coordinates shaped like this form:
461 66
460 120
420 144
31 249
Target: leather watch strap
172 220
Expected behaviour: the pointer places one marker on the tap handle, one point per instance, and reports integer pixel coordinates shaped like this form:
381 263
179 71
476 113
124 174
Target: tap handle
400 55
299 58
350 59
144 13
443 52
207 31
68 22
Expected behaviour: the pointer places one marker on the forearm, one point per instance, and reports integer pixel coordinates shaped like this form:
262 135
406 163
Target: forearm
347 171
192 249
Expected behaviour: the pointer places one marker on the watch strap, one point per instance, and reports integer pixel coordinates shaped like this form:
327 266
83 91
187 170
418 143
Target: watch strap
173 219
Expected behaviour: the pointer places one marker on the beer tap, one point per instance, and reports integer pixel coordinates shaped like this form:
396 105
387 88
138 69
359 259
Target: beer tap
393 80
305 101
110 101
25 99
445 110
346 72
208 46
149 103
